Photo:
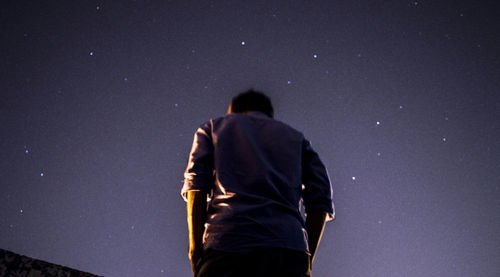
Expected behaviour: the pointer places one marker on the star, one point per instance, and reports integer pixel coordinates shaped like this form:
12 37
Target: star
243 43
91 53
353 178
400 107
443 139
378 122
41 174
315 56
289 82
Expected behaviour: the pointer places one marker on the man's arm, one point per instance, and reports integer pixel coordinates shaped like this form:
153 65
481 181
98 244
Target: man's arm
196 217
317 196
315 224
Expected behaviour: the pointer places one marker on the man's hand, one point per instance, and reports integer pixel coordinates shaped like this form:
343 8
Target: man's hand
196 217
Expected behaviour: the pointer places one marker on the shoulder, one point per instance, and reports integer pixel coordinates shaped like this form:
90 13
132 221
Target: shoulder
286 127
225 120
213 124
292 129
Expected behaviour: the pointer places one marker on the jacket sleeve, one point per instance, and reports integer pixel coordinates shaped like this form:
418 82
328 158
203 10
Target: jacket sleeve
317 189
199 174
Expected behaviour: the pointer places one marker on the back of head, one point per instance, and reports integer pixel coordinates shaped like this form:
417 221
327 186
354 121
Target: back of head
251 100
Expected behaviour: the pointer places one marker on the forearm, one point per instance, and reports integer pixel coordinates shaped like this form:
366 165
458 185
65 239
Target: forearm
315 224
196 217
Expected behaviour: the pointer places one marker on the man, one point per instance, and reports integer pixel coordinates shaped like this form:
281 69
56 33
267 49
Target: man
254 172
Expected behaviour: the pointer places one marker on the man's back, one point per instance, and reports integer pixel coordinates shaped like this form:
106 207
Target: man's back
257 186
256 171
257 189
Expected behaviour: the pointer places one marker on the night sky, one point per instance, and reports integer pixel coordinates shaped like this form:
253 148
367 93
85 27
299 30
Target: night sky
99 101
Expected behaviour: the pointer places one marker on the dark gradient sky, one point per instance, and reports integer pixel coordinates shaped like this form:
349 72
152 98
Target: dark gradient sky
100 99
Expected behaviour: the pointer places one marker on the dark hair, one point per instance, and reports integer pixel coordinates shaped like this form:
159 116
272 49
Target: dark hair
251 100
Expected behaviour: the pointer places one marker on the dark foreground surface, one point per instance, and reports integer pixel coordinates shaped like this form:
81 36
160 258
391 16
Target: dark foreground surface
13 265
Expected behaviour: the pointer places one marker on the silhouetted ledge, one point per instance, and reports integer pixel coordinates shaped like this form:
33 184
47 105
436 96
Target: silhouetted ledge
15 265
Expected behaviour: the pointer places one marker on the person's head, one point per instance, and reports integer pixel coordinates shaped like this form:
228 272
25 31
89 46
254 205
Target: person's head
251 100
